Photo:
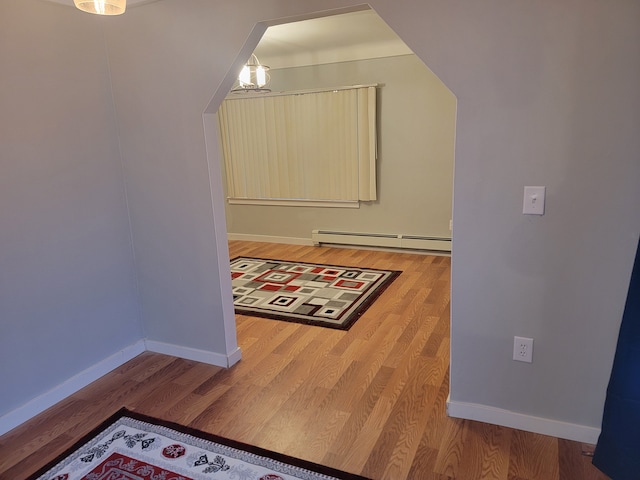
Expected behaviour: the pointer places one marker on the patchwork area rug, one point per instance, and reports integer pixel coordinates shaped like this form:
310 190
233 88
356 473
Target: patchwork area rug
130 446
324 295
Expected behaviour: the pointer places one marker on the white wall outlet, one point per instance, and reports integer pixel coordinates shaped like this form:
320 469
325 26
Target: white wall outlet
523 349
533 203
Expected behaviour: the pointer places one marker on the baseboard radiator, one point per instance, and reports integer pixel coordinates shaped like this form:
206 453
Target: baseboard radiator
410 242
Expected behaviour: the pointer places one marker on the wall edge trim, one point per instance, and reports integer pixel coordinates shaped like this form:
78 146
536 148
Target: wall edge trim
68 387
197 355
519 421
39 404
247 237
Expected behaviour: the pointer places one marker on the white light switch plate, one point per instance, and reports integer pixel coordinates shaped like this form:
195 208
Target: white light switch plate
533 200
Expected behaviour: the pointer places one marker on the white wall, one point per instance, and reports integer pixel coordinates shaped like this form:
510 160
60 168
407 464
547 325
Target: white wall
550 98
416 133
161 63
67 281
547 95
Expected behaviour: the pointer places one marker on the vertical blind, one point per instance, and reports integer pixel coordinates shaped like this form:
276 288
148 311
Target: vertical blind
318 146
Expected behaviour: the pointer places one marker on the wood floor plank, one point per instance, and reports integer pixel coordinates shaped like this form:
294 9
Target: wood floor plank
399 442
324 435
450 448
361 412
437 420
192 405
22 442
486 450
528 455
37 457
575 461
570 463
358 455
369 400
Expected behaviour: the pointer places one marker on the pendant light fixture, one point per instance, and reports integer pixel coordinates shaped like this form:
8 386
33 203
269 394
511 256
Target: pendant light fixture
253 77
102 7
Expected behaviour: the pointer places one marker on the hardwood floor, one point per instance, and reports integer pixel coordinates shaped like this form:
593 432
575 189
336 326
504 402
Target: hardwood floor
368 401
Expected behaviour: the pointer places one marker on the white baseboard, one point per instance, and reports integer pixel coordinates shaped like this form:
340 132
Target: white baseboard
93 373
234 357
506 418
270 239
68 387
382 240
309 243
212 358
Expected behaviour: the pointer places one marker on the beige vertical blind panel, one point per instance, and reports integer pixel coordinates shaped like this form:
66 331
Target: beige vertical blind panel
367 143
314 146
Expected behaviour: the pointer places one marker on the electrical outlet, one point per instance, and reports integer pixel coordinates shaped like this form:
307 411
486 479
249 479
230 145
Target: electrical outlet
523 349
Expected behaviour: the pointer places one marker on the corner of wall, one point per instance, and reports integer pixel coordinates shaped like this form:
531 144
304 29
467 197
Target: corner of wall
68 387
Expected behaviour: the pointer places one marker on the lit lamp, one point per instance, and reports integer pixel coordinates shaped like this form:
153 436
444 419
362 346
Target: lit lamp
253 77
102 7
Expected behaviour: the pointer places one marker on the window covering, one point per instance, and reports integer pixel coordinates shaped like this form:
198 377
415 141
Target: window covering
318 146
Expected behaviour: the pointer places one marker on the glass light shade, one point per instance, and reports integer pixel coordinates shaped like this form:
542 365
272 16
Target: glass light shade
102 7
245 76
261 76
253 75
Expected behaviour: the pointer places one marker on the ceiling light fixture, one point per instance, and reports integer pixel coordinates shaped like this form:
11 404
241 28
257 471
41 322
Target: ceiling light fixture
253 77
102 7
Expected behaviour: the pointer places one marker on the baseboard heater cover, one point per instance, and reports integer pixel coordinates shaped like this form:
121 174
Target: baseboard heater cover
410 242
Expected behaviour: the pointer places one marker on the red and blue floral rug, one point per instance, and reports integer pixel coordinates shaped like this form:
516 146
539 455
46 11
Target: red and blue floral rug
130 446
324 295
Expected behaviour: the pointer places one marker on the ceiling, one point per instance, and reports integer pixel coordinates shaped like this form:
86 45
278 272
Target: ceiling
338 38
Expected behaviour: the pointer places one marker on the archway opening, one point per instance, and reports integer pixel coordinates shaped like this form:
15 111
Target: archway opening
416 130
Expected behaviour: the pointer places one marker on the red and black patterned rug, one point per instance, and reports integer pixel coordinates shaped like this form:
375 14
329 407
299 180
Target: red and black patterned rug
130 446
324 295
